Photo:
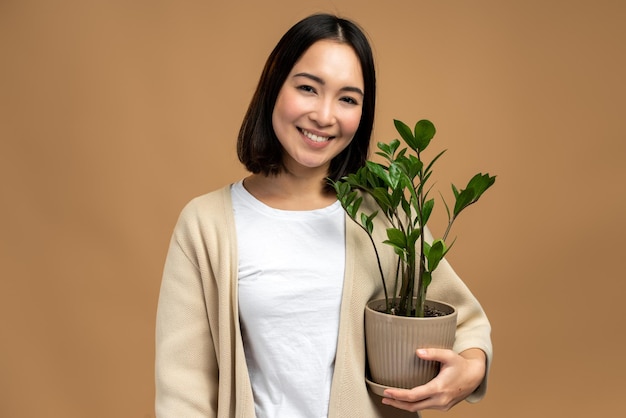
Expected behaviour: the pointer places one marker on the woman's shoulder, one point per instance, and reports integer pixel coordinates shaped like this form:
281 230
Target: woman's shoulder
216 197
206 208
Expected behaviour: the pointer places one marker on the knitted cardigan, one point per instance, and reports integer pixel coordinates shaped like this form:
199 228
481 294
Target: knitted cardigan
200 363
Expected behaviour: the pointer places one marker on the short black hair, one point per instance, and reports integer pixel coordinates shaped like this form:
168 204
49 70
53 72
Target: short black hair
258 147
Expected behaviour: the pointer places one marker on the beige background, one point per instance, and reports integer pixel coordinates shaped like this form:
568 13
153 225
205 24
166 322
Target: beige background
113 114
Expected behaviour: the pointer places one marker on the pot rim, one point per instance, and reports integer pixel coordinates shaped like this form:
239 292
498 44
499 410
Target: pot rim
442 305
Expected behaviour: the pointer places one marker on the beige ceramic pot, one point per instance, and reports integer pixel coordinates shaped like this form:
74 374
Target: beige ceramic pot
391 342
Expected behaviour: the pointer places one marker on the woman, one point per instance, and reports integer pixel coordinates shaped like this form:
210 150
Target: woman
264 286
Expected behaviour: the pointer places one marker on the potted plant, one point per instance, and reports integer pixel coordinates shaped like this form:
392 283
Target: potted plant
400 189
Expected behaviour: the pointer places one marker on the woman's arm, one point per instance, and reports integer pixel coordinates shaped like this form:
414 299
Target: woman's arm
186 365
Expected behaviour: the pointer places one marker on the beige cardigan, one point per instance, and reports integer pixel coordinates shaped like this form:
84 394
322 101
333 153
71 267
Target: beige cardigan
200 364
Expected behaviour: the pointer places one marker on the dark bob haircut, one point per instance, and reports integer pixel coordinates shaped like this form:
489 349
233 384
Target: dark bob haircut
258 147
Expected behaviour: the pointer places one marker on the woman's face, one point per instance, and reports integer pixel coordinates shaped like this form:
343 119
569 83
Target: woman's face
318 108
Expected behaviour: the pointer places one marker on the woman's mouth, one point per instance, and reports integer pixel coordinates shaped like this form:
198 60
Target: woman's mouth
315 138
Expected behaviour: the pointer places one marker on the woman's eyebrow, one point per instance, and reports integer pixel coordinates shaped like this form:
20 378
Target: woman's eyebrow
320 81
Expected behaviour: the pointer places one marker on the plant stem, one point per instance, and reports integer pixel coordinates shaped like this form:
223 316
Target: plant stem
395 285
380 268
421 293
450 222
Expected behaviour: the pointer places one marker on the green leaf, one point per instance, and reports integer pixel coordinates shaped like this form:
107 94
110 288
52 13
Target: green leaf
382 197
367 222
345 194
396 238
455 191
424 132
353 207
384 148
426 279
474 190
446 206
393 146
435 254
413 237
427 210
481 182
389 149
406 207
379 171
463 200
414 166
396 197
405 132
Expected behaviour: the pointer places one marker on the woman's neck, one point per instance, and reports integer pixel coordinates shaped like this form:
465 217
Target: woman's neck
288 191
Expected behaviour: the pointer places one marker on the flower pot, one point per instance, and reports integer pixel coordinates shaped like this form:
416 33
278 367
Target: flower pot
391 342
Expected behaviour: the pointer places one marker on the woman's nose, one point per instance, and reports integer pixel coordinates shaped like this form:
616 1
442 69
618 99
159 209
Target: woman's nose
324 113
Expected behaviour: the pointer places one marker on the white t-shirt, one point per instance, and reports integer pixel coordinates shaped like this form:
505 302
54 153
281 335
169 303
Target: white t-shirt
291 271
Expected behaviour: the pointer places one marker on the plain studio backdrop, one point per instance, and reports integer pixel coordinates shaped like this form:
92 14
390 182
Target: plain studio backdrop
113 114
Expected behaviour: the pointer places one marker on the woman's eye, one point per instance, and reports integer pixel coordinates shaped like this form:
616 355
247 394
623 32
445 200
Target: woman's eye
349 100
306 88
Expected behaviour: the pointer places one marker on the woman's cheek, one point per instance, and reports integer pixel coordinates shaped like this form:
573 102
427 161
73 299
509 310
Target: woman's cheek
353 122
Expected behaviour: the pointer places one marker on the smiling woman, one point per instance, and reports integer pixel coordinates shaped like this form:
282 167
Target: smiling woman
265 283
258 147
318 109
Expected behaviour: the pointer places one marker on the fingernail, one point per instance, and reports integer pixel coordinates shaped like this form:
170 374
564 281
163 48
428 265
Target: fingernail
422 352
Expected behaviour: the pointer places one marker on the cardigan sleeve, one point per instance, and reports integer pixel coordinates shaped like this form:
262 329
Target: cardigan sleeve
473 327
186 367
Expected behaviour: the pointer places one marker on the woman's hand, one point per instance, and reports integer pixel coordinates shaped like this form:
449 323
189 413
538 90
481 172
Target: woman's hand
459 376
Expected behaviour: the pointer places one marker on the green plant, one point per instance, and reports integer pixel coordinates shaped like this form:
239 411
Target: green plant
399 188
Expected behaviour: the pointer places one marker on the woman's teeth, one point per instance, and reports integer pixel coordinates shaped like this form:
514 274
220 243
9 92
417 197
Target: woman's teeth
314 137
